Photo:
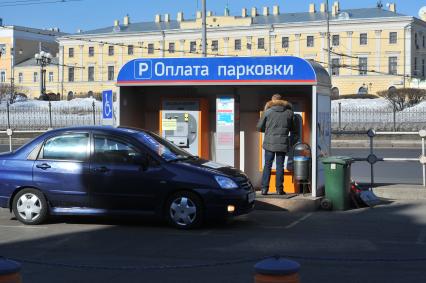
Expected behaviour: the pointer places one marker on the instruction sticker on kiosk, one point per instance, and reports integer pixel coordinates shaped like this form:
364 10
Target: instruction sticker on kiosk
169 124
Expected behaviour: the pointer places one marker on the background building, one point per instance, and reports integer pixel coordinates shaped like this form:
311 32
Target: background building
372 49
18 44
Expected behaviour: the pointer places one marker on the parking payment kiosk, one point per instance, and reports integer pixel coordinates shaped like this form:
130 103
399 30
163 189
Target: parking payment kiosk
210 107
184 123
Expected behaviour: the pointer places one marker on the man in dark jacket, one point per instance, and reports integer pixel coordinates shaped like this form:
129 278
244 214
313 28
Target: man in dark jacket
277 122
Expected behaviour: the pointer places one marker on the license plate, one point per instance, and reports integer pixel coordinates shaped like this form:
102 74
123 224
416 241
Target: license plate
251 197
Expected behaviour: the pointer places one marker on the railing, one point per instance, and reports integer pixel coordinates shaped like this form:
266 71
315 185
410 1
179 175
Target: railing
48 115
373 159
360 118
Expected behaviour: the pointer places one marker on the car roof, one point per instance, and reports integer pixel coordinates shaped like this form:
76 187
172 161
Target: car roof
109 129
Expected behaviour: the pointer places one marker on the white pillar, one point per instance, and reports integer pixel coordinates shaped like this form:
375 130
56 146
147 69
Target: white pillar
226 46
297 36
81 63
378 49
349 46
101 62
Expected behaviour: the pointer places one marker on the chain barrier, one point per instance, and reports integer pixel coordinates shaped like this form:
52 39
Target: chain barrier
215 264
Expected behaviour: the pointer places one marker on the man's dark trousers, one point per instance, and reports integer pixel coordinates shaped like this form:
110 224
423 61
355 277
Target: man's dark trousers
269 159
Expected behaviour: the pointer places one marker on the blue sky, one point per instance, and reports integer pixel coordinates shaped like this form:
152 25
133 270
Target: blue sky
91 14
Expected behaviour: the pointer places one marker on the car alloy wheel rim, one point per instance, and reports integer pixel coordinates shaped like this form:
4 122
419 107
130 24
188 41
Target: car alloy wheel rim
183 211
29 207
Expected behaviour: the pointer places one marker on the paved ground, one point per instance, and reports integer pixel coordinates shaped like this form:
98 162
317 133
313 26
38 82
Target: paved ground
392 231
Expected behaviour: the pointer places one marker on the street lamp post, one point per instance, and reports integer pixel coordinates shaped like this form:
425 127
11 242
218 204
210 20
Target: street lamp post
43 59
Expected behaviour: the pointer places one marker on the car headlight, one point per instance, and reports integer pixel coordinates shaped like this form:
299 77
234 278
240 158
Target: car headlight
225 182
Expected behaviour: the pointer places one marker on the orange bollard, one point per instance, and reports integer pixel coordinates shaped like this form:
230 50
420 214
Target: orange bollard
9 271
277 270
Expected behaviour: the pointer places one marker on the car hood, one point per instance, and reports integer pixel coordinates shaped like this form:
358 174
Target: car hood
212 167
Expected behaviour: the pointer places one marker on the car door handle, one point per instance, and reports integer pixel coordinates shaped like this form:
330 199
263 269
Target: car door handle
43 166
101 169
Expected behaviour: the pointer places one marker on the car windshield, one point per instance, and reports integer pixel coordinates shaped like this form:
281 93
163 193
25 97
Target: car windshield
162 147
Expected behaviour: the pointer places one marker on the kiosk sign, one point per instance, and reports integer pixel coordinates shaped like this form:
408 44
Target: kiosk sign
227 69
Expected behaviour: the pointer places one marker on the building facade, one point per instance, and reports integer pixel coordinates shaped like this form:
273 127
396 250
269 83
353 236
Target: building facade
372 49
19 44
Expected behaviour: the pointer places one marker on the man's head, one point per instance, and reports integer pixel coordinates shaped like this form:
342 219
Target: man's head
276 97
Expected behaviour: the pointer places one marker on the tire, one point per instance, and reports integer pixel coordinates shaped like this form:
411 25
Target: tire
326 204
30 207
184 210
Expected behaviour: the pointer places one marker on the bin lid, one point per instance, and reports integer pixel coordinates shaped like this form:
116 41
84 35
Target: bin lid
301 158
277 266
343 160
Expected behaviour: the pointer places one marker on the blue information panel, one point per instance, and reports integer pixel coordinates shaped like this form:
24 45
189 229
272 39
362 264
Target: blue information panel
107 104
217 69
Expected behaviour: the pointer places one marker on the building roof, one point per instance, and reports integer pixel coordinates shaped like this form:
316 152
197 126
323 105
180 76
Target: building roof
349 14
50 32
33 63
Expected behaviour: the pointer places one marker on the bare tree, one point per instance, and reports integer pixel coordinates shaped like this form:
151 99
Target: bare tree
403 97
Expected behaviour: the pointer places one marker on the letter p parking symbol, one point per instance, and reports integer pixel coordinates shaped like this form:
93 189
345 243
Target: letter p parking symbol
143 69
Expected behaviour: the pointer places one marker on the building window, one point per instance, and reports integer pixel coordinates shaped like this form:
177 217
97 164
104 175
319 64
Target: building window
110 73
335 67
237 44
393 65
130 50
2 77
363 40
20 77
284 42
151 48
393 37
171 47
215 45
424 41
91 51
261 43
35 77
423 68
70 74
415 66
336 40
193 46
415 41
50 77
310 41
70 52
362 91
2 50
91 73
363 65
110 50
335 93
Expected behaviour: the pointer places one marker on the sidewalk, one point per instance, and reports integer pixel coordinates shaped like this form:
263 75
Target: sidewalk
401 192
289 202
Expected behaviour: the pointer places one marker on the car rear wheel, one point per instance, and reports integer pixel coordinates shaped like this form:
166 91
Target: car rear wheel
30 207
184 210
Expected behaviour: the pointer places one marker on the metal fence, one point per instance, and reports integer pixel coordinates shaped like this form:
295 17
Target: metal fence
363 118
18 117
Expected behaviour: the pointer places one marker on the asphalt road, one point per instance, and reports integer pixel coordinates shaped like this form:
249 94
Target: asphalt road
385 173
381 240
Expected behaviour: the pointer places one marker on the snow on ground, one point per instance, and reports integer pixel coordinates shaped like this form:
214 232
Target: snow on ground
376 104
75 103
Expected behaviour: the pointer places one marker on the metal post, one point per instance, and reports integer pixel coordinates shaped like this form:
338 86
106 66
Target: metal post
371 164
8 113
328 38
204 29
340 116
94 117
394 119
50 115
424 165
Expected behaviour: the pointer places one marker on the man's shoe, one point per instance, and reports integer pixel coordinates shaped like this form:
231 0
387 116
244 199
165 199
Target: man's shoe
280 193
264 193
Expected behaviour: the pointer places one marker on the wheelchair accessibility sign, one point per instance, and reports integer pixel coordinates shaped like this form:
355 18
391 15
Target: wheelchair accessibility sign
107 105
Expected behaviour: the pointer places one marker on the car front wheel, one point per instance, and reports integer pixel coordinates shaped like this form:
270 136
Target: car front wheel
30 207
184 210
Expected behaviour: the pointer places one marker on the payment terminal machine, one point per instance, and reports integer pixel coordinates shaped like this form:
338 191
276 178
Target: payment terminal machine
184 123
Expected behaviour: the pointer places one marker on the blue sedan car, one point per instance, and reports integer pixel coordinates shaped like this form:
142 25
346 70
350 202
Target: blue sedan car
105 170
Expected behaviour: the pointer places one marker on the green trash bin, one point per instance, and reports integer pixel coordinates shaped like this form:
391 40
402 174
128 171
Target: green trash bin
337 181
